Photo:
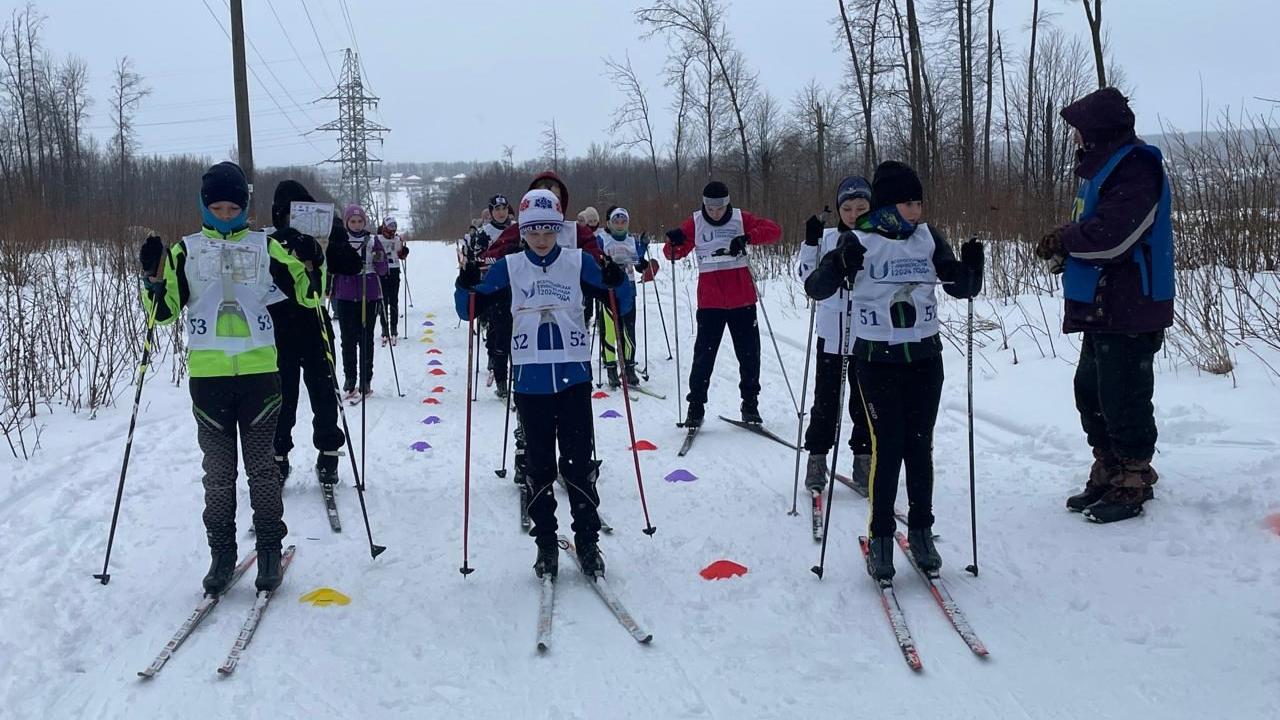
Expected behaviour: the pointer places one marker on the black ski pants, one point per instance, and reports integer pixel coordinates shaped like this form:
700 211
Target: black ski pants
497 333
301 353
902 408
1114 383
563 418
821 435
357 339
247 406
390 310
745 333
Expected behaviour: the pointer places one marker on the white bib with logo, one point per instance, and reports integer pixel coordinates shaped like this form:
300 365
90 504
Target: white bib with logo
229 280
623 252
568 237
829 322
711 243
550 295
896 274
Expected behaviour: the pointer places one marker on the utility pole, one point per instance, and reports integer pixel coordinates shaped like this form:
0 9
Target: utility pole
244 135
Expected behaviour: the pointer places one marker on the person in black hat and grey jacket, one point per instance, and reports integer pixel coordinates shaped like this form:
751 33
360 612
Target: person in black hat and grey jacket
890 264
853 199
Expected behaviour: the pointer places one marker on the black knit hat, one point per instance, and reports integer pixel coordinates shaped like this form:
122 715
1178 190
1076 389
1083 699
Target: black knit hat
717 192
224 182
287 193
895 182
497 200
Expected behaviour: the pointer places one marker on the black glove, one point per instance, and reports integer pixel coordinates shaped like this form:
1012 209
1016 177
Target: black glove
738 245
851 254
972 257
812 230
612 273
306 249
150 255
676 237
338 233
468 276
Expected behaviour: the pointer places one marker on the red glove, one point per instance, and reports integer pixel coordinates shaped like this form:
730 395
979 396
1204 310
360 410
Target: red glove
650 272
403 252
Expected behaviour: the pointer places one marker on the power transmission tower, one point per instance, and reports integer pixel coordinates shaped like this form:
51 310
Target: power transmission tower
354 133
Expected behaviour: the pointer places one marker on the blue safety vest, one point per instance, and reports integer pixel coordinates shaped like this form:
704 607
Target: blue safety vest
1153 253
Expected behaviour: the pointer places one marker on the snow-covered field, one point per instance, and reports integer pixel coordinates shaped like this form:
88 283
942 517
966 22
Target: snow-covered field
1173 615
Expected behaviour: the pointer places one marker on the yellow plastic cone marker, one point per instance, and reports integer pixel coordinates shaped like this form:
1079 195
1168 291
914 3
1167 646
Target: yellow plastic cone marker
431 315
324 597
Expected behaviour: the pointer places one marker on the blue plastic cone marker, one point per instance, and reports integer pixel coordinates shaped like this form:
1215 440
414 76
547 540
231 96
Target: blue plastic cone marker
610 414
432 420
420 446
681 475
428 324
435 363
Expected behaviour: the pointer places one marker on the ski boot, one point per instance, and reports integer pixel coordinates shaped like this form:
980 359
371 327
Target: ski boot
392 338
861 474
282 464
815 478
611 372
385 341
1105 467
327 467
220 571
349 393
920 540
880 558
548 561
697 411
269 573
500 382
590 558
632 378
751 412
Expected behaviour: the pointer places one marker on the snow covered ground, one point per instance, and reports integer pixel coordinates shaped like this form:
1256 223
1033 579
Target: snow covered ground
1173 615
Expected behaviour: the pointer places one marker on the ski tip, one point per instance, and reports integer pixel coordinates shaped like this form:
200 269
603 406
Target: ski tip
103 578
375 550
650 530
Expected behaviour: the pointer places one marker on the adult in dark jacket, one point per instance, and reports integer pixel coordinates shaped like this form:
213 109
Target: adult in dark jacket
1117 262
303 336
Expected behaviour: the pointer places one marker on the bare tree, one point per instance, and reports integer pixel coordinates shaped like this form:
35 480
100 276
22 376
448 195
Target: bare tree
633 115
917 91
703 20
678 79
1031 90
552 147
1093 14
991 92
865 81
127 92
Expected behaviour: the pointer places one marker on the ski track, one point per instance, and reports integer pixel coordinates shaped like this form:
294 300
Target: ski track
1171 615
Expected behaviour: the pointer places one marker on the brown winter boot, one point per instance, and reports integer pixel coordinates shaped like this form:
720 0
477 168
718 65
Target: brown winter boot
1105 468
1132 488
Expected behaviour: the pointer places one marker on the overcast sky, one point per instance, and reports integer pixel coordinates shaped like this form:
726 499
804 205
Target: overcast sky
460 78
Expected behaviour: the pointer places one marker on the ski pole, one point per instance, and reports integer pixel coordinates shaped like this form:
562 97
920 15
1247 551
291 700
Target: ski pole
392 347
644 289
408 294
105 577
404 277
649 529
675 317
765 310
506 424
804 389
845 361
466 568
374 550
973 502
